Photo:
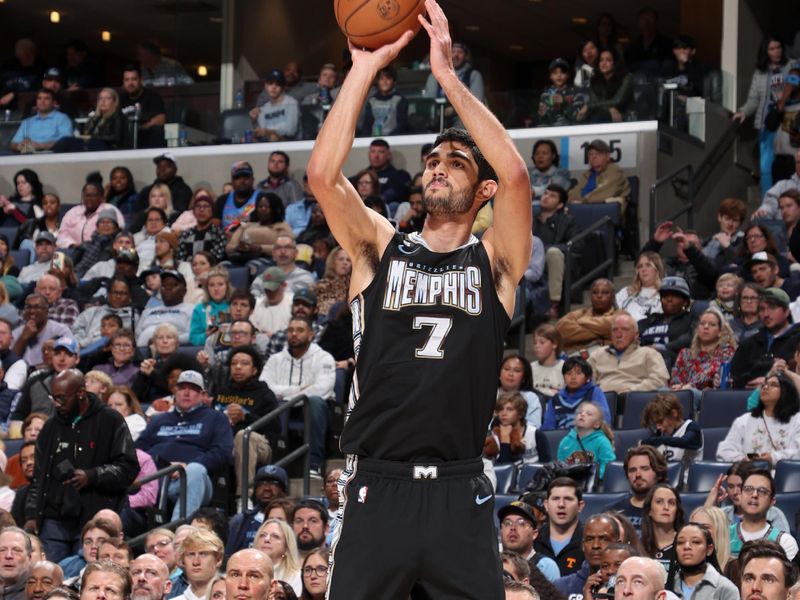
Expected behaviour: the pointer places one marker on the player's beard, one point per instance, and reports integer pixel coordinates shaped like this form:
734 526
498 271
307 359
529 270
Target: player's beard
455 203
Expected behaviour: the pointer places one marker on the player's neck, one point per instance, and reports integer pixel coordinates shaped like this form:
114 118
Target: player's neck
444 234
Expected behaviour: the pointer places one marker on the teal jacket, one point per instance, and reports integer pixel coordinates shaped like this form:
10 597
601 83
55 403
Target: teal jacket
596 442
204 316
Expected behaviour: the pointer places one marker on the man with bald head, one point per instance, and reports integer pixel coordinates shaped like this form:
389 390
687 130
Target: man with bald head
249 575
640 578
43 577
85 462
624 366
150 576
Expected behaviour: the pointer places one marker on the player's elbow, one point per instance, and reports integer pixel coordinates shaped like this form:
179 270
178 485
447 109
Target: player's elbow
516 174
320 176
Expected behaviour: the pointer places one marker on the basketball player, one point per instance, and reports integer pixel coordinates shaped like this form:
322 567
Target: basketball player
430 314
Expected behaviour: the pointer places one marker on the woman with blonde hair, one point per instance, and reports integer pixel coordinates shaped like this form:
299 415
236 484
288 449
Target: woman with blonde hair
124 401
641 297
276 538
699 366
334 285
106 128
717 523
8 311
99 384
215 308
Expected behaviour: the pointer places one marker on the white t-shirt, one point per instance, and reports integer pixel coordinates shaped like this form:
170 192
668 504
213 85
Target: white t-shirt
786 541
547 379
643 304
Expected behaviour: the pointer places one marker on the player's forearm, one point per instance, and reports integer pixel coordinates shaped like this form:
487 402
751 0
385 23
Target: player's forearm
335 139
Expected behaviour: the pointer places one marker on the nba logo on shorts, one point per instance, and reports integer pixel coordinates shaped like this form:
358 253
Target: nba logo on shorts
362 494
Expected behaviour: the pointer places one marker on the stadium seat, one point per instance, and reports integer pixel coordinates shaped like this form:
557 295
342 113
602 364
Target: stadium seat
613 405
554 437
674 474
789 503
595 503
628 438
718 408
587 215
12 447
690 501
787 476
22 258
232 125
189 350
10 233
240 277
526 475
711 439
703 475
636 401
505 474
501 500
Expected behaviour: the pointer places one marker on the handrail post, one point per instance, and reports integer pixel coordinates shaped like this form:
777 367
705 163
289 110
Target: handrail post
567 291
182 487
690 193
307 443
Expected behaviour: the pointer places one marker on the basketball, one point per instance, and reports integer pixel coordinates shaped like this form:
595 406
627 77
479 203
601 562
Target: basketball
375 23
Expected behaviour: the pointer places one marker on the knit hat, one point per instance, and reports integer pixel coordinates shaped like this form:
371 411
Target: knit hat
108 213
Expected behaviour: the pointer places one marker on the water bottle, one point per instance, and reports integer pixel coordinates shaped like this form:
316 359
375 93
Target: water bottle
183 137
239 100
248 136
377 129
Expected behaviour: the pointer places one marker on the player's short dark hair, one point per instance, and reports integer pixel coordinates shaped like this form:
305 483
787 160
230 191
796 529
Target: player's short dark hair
282 153
577 361
131 68
251 351
454 134
379 142
657 461
562 193
565 482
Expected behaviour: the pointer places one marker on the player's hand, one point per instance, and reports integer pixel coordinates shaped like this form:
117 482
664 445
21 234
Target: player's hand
375 60
441 45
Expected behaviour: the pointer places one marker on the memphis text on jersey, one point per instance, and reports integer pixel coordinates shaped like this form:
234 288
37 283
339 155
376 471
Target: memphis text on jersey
415 284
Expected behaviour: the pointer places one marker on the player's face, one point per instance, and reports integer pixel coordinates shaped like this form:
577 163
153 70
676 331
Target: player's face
449 181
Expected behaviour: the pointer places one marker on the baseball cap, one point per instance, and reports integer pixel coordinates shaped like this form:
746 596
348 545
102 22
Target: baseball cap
674 284
599 145
192 377
241 167
518 508
273 278
173 273
760 257
53 73
152 270
45 236
275 75
67 343
165 156
776 296
306 296
128 255
272 473
558 63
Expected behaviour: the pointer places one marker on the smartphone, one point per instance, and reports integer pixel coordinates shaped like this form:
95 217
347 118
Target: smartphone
58 261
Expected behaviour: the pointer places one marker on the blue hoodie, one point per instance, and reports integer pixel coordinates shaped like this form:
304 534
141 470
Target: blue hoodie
560 412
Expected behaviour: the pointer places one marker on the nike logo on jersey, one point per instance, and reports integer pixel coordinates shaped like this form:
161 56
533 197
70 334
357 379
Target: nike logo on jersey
484 500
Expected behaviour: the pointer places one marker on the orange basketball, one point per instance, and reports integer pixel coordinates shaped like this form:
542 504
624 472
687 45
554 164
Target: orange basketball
375 23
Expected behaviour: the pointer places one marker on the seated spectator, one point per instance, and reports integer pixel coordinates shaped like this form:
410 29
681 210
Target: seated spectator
386 111
159 70
604 182
279 181
215 308
789 203
578 387
545 170
186 219
699 366
234 208
80 222
586 65
598 532
124 401
747 321
120 366
37 328
205 235
174 310
200 555
315 578
26 201
273 311
559 102
13 371
519 528
99 247
641 298
304 305
87 327
645 467
546 376
194 435
678 439
94 533
31 427
778 339
610 91
625 366
53 80
107 268
270 483
770 431
395 183
366 183
276 539
670 330
662 515
334 287
586 328
167 172
152 374
8 311
7 264
467 73
513 439
148 106
413 218
45 248
278 118
41 131
713 519
319 100
723 246
697 566
304 368
555 227
50 221
769 208
726 300
299 213
99 384
516 377
758 238
591 434
758 490
689 262
251 244
23 469
201 264
684 69
145 225
106 129
284 253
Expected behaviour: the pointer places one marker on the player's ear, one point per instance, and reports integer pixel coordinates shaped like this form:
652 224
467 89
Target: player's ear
487 190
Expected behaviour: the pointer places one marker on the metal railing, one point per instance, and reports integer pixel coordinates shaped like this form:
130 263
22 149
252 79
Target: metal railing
706 167
181 496
607 265
689 200
303 450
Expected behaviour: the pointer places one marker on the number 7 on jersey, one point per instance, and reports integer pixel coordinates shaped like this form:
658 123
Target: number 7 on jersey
440 327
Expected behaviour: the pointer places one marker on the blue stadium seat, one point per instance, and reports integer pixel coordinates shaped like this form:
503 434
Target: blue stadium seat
527 474
22 258
718 408
10 233
789 503
711 439
554 437
505 477
587 215
240 277
189 350
12 447
613 406
674 474
636 401
787 476
628 438
690 501
595 503
501 500
703 475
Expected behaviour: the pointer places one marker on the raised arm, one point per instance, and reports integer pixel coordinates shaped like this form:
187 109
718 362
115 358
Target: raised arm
358 229
508 241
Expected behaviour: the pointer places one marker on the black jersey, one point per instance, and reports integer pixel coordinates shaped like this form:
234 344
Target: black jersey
428 334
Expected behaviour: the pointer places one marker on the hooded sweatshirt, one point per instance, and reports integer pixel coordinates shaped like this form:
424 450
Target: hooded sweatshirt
313 374
560 412
256 399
